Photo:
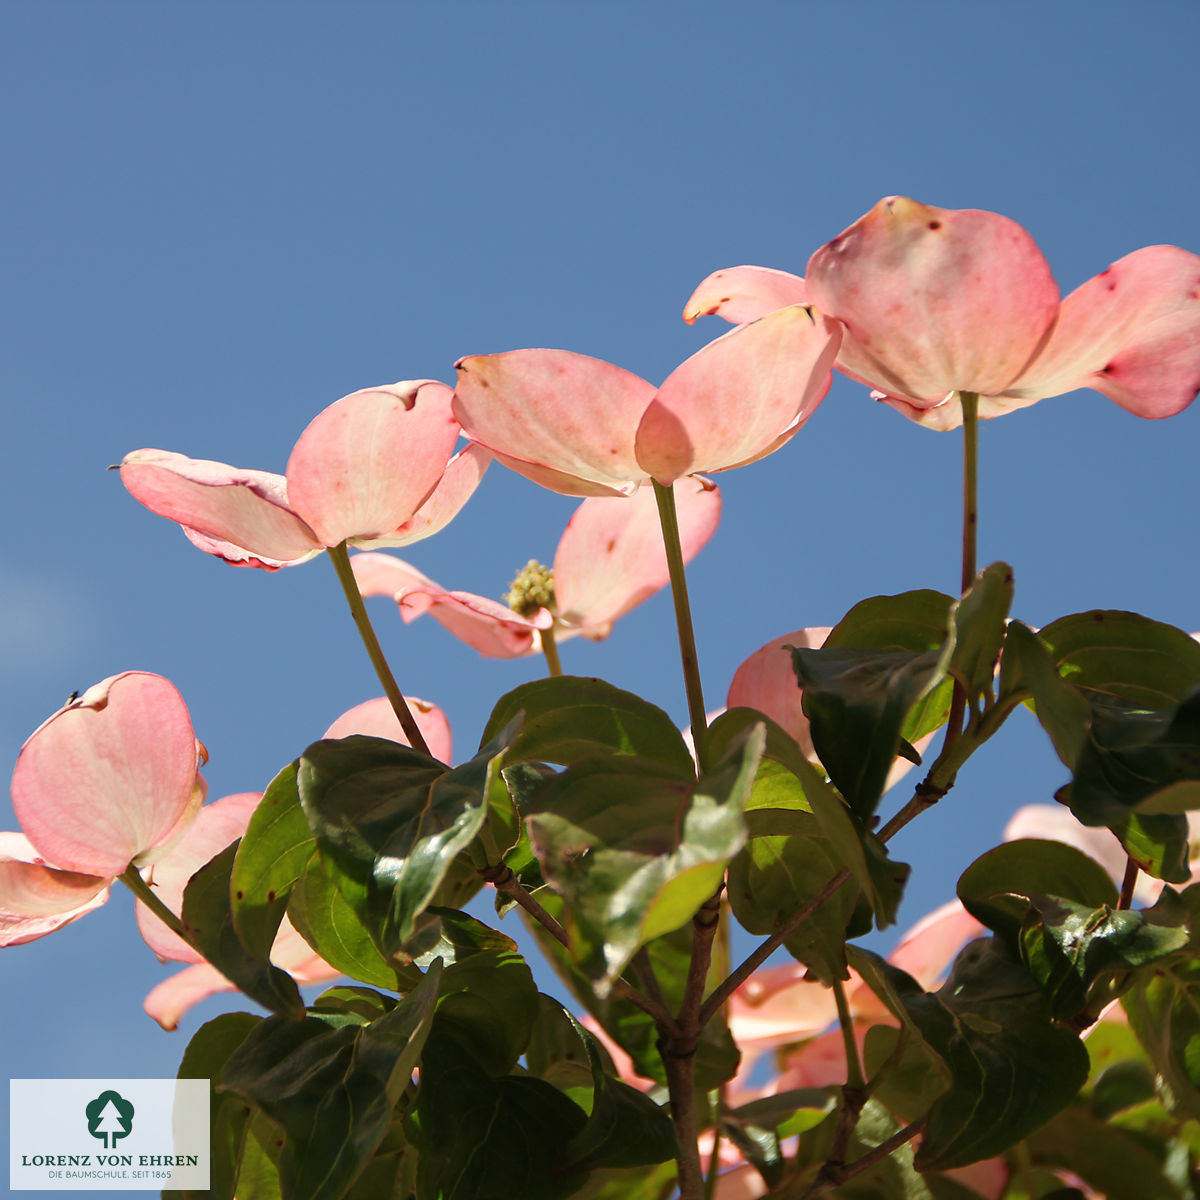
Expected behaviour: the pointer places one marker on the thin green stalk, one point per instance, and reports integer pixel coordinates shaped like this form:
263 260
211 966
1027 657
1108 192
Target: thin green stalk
345 574
970 538
854 1069
133 880
669 521
550 650
970 535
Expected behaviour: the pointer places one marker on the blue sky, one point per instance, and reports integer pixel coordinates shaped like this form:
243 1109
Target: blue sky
219 218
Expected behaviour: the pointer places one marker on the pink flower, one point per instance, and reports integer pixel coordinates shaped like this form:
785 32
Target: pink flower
373 469
939 301
109 780
376 718
587 428
609 559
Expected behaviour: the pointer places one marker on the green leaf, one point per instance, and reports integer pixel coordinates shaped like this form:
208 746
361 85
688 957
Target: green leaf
1011 1068
1117 1165
1069 947
325 920
569 717
208 919
783 865
1164 1011
205 1058
1125 656
489 1003
850 844
636 850
1131 755
996 887
670 956
979 619
331 1089
1158 844
875 684
483 1138
274 852
1027 666
625 1128
390 824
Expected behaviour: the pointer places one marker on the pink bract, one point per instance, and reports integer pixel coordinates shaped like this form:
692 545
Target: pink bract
36 899
609 559
940 301
587 428
109 777
373 468
376 718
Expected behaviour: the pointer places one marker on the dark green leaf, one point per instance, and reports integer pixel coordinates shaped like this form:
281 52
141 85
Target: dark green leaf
996 887
1125 656
331 1088
209 922
568 718
1028 666
483 1138
390 824
635 851
874 684
625 1127
274 852
1069 947
1117 1165
489 1003
1011 1068
205 1058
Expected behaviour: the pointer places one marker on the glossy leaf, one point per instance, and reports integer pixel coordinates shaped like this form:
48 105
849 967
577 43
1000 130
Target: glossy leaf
996 887
208 919
330 926
569 718
1010 1067
390 823
1069 947
331 1089
636 850
274 852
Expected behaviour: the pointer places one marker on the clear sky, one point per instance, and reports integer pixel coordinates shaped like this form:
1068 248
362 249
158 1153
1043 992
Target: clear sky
220 217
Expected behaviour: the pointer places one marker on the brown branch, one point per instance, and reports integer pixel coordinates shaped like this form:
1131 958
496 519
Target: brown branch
832 1175
757 957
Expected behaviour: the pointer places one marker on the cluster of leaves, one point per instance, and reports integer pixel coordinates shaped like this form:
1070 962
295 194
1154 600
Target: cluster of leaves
587 799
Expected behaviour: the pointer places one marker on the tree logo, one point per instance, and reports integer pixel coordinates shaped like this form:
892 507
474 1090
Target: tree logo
109 1117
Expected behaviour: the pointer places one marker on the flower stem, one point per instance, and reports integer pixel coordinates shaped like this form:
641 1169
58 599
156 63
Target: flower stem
970 408
132 879
1128 884
550 650
345 574
669 521
970 531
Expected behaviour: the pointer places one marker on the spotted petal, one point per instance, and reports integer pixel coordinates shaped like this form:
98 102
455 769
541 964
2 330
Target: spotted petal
743 294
